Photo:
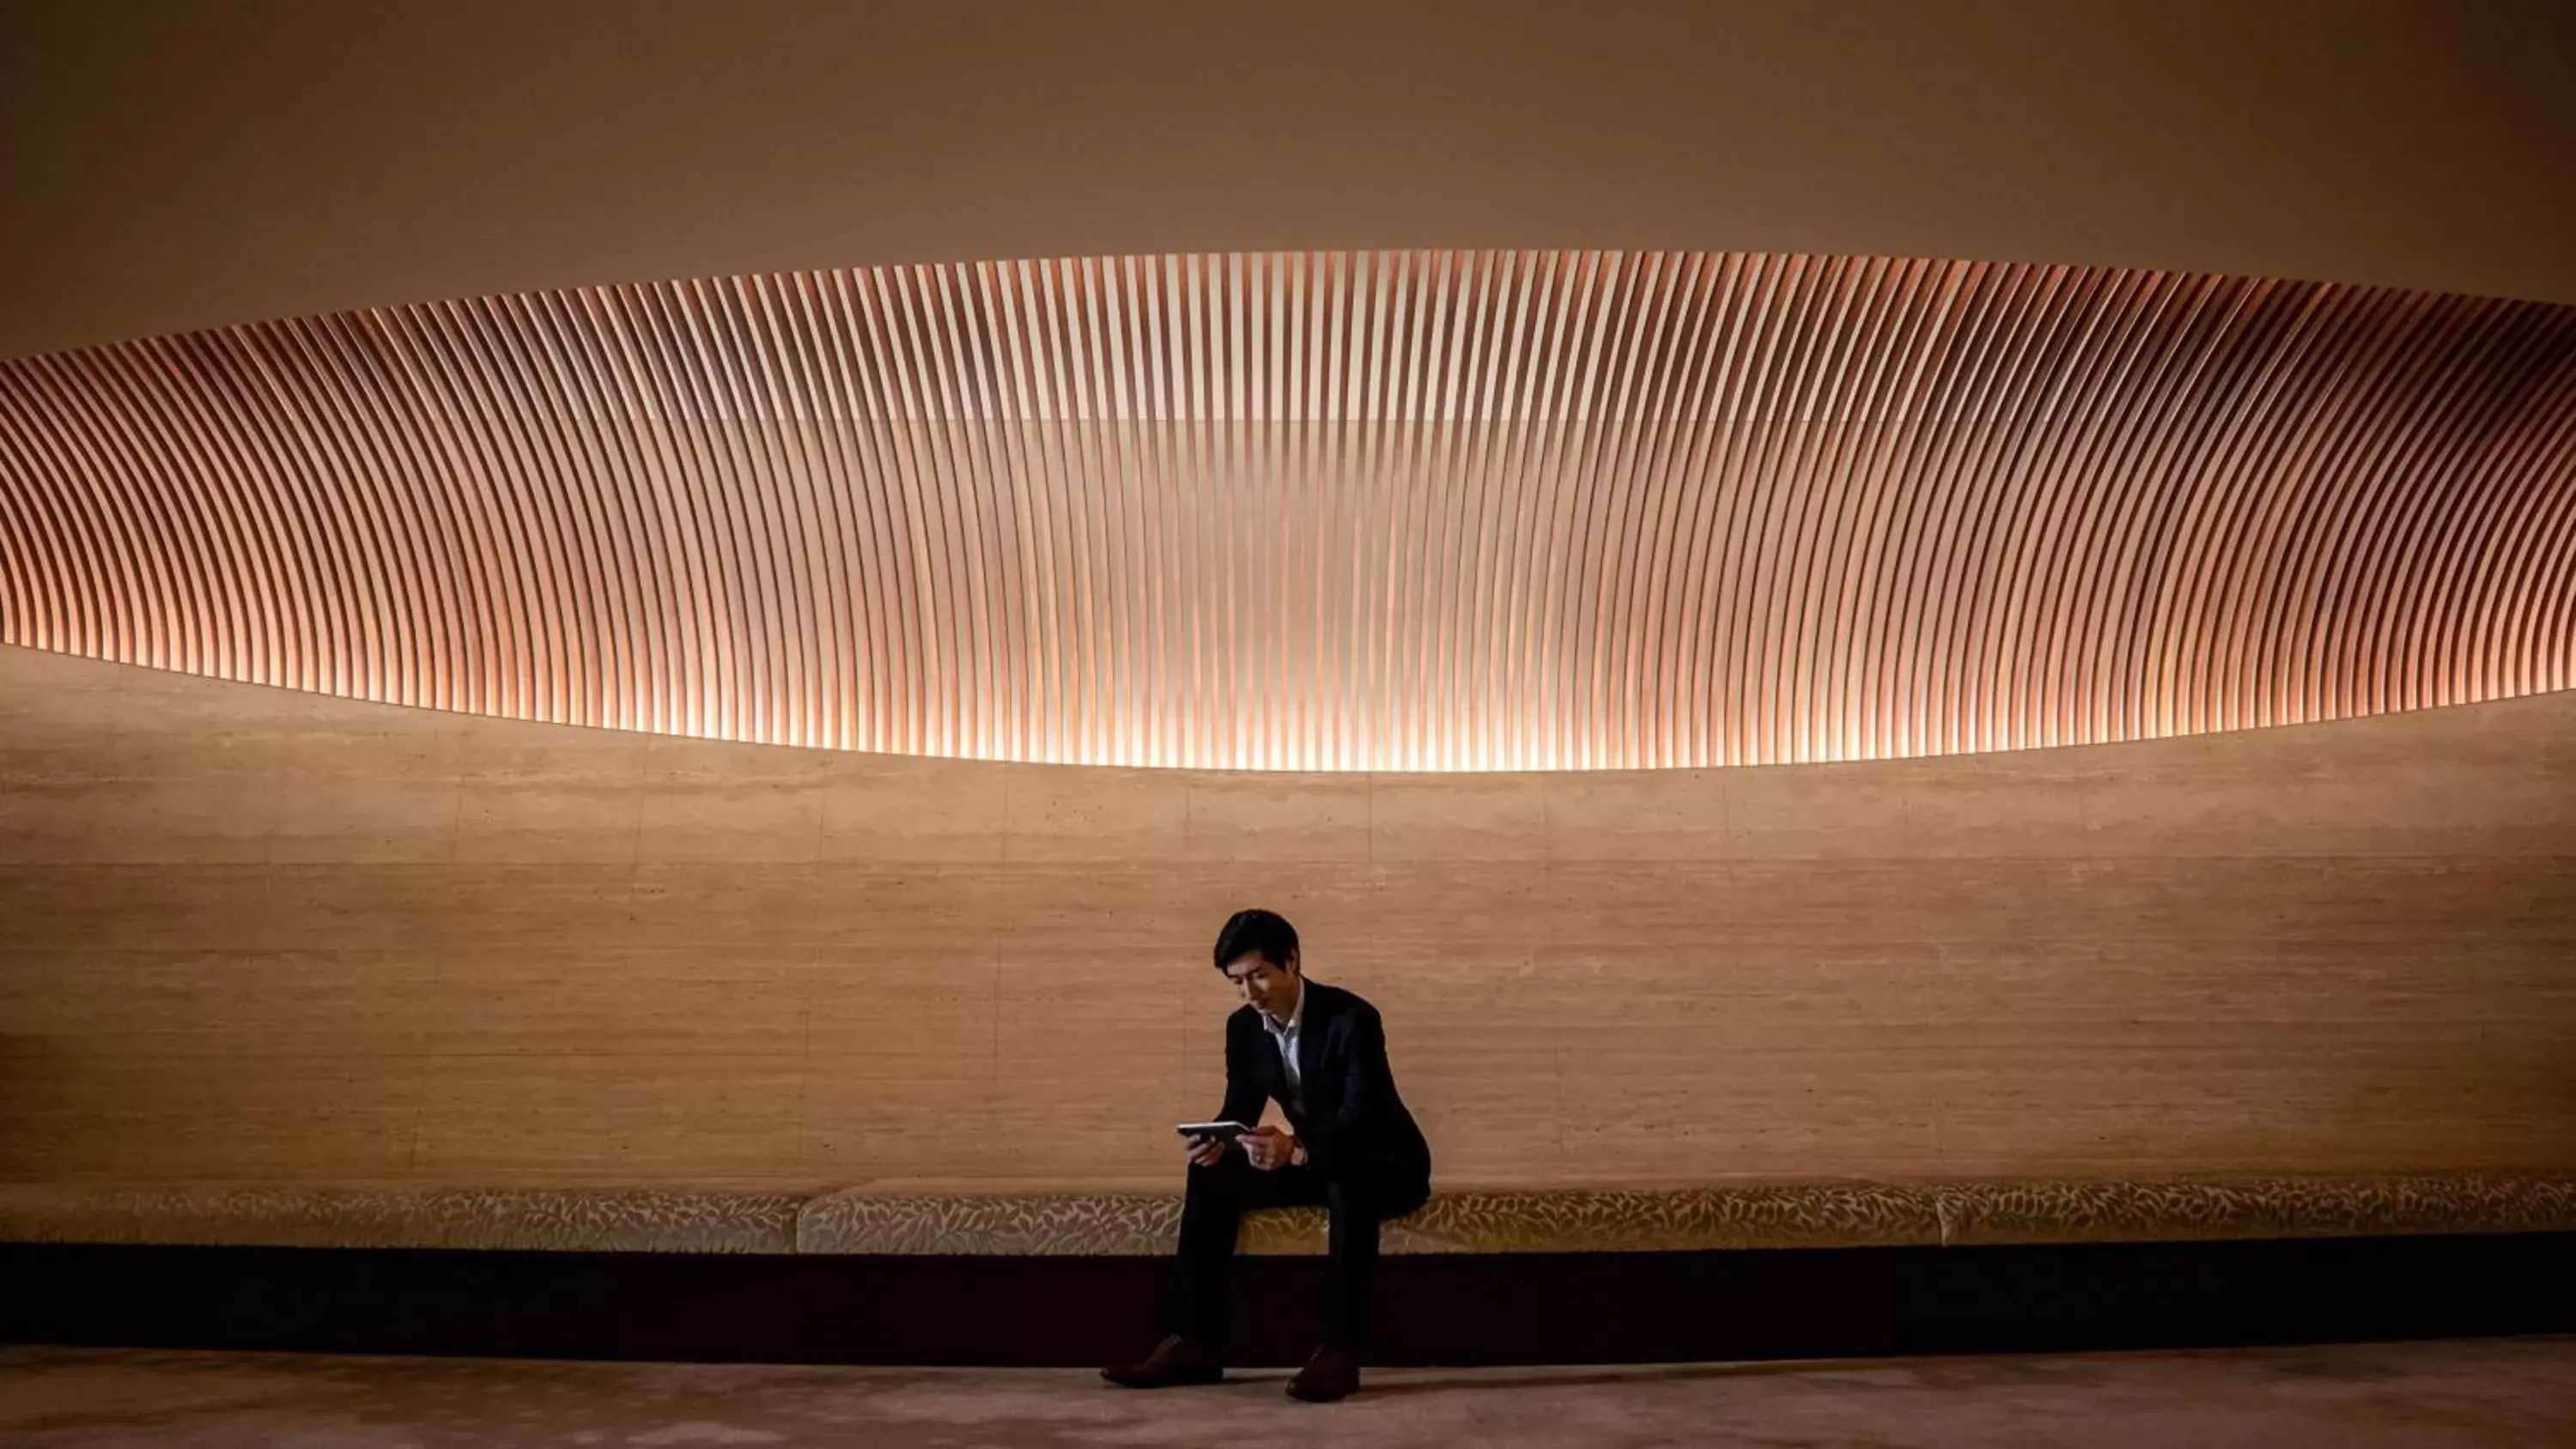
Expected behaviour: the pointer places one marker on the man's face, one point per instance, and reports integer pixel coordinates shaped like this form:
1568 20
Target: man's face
1269 986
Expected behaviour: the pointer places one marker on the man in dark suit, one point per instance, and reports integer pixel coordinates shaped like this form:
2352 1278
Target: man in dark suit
1320 1053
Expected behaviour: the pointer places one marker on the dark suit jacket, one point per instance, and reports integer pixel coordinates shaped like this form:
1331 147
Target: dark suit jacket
1354 1125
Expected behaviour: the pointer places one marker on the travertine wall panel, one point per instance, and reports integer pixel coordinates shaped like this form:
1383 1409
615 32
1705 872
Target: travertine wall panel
254 934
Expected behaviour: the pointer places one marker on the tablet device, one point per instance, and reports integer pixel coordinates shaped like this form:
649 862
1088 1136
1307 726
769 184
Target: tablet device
1221 1131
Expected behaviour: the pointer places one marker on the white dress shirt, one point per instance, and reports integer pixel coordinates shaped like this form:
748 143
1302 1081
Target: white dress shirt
1284 1035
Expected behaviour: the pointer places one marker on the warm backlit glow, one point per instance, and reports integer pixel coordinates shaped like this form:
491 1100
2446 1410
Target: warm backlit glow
1419 511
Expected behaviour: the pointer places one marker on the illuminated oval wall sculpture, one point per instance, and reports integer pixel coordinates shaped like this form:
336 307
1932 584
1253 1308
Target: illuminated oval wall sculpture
1420 511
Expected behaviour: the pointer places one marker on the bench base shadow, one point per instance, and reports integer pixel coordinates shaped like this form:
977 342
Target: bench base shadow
1540 1308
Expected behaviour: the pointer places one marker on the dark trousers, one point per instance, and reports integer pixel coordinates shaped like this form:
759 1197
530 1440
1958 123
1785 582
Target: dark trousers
1219 1196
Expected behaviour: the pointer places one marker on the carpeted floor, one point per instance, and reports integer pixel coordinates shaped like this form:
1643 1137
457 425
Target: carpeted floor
2420 1395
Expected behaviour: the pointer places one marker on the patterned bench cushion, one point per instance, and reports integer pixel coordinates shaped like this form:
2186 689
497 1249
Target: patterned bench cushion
1805 1215
623 1220
997 1221
2149 1209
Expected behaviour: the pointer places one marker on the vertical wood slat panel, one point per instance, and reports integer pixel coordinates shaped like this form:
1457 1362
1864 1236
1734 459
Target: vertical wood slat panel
1333 511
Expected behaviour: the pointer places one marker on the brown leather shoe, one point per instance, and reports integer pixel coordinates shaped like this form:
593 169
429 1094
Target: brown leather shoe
1330 1375
1174 1361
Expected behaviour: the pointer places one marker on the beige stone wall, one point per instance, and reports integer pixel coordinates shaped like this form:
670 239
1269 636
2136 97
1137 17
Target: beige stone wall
253 934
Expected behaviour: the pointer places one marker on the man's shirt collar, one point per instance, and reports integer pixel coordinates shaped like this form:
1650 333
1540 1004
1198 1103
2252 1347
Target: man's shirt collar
1296 1015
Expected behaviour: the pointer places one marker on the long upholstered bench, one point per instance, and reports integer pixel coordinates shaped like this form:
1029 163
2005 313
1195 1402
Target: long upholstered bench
918 1219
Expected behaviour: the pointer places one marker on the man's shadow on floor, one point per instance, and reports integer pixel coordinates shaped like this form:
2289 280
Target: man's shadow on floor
1376 1387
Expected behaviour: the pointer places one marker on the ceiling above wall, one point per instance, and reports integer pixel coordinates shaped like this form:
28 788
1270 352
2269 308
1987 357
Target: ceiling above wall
1427 510
168 165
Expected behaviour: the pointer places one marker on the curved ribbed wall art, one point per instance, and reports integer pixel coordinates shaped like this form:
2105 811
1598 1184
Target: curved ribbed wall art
1445 510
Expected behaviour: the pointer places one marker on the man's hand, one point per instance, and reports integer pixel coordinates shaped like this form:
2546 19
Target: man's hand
1204 1151
1268 1147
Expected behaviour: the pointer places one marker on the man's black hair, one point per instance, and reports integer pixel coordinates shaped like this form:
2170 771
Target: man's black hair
1246 932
